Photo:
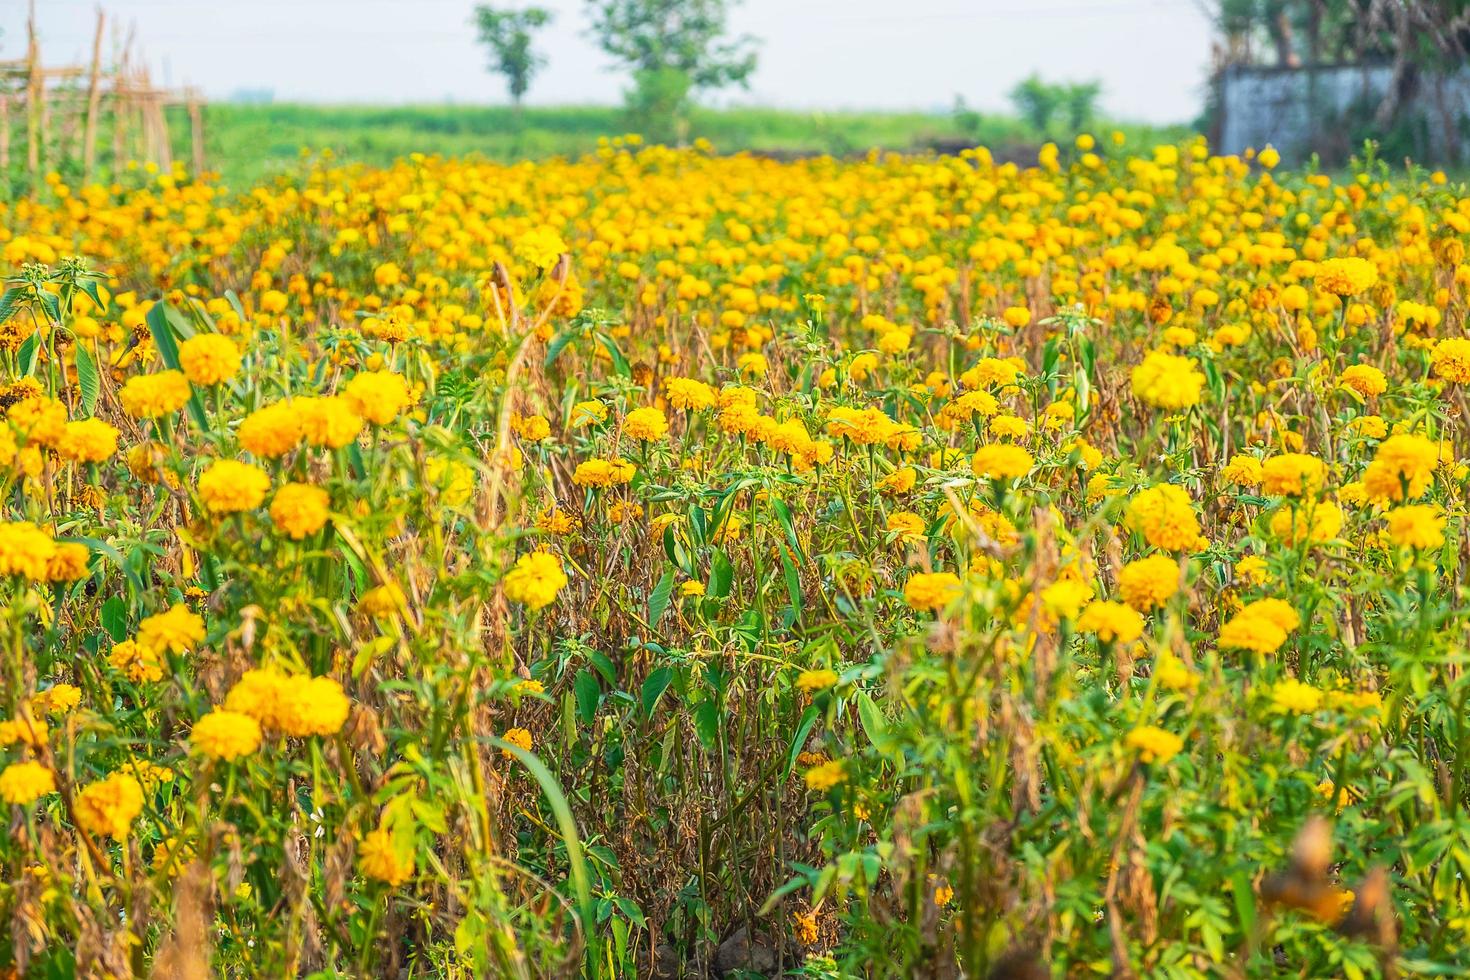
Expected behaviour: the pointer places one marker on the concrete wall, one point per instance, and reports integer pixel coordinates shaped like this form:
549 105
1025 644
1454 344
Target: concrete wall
1302 110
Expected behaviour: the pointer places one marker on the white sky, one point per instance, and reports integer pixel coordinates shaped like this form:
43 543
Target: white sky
1151 55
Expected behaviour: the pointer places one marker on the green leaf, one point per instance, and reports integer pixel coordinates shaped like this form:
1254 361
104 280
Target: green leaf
783 516
52 305
87 378
803 729
587 692
721 575
115 618
793 581
558 344
168 349
658 602
117 559
1245 904
654 687
620 363
9 303
872 719
29 353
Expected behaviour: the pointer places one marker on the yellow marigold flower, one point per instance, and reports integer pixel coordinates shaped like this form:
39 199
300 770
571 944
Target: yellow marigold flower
1016 316
57 699
535 580
540 248
816 680
689 395
899 481
691 588
299 509
23 783
519 737
454 480
1173 675
68 562
383 600
1243 470
150 396
1251 570
25 550
1153 744
377 396
1291 696
25 730
109 806
88 441
1402 469
827 775
1255 633
1346 276
1369 426
314 706
179 630
38 420
752 365
379 859
229 486
1365 379
603 473
1065 597
1416 526
907 525
272 431
1293 475
225 735
329 421
1451 360
1006 427
1316 522
1165 516
1167 381
646 424
1148 583
136 662
532 428
588 413
991 372
1111 622
931 591
208 359
1001 461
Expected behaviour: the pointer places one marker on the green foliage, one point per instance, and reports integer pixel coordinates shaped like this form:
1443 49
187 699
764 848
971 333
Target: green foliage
673 48
507 34
1040 103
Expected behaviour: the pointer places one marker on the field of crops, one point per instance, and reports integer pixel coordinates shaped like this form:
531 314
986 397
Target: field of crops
667 564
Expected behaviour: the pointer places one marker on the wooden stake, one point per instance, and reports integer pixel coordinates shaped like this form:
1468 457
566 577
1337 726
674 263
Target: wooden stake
33 95
196 133
94 104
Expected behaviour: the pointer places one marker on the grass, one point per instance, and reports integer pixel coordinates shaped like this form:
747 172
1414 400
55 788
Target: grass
247 142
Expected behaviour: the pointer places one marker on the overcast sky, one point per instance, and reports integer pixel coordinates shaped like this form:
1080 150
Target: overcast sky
1151 55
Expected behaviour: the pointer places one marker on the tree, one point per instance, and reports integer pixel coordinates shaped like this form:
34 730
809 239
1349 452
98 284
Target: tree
507 34
674 49
1037 102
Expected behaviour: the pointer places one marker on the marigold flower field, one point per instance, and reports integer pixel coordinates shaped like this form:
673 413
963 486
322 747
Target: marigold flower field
666 564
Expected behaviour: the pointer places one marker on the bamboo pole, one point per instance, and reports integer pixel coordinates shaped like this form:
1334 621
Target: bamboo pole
94 104
196 132
33 94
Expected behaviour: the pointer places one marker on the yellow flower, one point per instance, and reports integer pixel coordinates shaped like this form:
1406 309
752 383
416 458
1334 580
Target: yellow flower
150 396
519 737
377 396
1167 381
1346 276
1365 379
646 424
88 441
1148 583
229 486
1451 360
109 806
926 591
691 588
57 699
906 525
1293 475
535 580
299 509
1416 526
136 662
688 394
1001 461
816 680
1165 516
272 431
588 413
225 735
25 550
1153 744
827 775
1402 469
178 630
23 783
1255 633
541 247
208 359
1111 622
379 858
329 421
1291 696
